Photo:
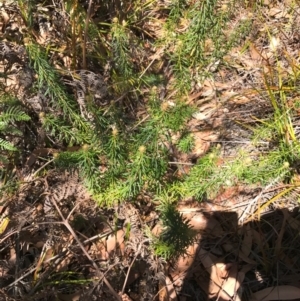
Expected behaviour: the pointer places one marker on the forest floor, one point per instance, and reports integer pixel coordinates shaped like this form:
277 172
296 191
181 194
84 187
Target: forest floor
122 122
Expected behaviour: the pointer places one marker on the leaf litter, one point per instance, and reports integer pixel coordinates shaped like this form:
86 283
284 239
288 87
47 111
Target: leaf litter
246 248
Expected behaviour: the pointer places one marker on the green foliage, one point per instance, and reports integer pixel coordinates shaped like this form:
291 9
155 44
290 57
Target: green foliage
177 8
49 78
62 131
11 115
203 42
8 182
5 145
123 148
207 176
116 151
86 160
60 100
177 234
186 143
121 49
26 9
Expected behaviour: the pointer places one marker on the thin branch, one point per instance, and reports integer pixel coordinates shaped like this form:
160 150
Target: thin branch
101 276
131 264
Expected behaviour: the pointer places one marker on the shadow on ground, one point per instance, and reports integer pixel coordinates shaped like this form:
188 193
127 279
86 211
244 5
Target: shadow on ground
232 262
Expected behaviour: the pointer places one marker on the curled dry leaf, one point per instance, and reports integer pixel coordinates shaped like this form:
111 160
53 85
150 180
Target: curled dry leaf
232 282
200 222
202 140
179 270
5 17
225 279
108 246
277 13
157 229
172 296
115 241
100 247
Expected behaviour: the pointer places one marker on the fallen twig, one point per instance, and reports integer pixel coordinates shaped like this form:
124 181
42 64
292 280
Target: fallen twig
100 274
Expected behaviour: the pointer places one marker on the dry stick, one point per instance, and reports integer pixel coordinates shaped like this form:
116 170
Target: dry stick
43 166
134 259
88 15
66 223
98 236
10 233
73 209
33 269
52 258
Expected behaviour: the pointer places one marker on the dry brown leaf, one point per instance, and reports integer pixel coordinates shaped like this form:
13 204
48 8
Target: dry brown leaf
232 282
241 99
202 141
184 262
171 290
99 248
115 241
207 259
228 248
136 271
213 227
157 229
38 152
277 13
282 292
254 54
206 111
193 96
121 241
200 221
162 292
225 279
227 193
5 16
125 297
228 95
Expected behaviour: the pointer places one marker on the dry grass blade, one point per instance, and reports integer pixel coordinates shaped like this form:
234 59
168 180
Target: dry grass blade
272 200
131 264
